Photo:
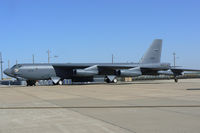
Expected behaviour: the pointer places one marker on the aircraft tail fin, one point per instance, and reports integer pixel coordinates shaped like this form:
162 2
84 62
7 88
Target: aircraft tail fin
153 54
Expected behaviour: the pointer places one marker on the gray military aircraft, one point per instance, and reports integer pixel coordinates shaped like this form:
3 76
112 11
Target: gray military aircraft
84 72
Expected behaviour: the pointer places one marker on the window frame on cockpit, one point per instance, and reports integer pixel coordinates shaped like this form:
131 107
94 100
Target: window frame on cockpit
16 66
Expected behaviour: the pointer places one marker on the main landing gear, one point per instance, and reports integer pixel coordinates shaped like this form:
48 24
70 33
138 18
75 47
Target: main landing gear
60 82
111 79
31 83
115 80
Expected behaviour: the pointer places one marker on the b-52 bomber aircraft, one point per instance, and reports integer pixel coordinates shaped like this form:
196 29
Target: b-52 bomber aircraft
84 72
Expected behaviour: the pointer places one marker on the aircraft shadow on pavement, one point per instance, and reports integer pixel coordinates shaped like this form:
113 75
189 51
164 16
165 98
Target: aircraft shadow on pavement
120 83
132 83
86 84
193 89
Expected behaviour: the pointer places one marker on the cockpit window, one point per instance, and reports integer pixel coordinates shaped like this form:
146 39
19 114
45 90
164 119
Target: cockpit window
13 67
16 66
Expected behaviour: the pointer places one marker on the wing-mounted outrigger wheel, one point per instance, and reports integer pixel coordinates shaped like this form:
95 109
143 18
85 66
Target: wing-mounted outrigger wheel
176 72
175 79
57 80
179 71
111 79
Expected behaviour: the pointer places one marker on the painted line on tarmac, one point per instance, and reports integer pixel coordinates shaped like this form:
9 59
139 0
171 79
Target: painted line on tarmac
102 107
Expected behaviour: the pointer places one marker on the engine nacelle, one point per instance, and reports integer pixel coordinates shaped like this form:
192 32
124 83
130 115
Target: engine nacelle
87 72
133 72
169 72
84 73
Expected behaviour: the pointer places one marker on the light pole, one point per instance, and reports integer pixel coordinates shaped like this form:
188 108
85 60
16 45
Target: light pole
48 52
49 57
33 58
1 61
174 54
175 58
112 58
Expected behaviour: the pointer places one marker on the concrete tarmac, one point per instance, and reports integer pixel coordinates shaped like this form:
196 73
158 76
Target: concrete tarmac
139 107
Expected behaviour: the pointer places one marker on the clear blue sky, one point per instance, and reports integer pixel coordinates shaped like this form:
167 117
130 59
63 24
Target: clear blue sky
91 30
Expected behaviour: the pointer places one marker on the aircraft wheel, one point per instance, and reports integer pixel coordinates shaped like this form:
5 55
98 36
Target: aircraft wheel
60 82
107 80
115 80
176 80
31 83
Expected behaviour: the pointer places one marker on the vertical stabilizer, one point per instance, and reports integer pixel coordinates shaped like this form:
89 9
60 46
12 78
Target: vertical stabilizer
153 55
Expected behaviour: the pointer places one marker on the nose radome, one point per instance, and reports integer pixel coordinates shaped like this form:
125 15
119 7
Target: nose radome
7 72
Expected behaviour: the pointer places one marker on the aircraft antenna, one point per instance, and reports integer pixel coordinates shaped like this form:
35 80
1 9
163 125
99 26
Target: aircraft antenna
112 58
48 52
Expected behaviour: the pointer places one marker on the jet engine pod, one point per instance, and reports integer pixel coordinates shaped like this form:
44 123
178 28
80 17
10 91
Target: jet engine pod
87 72
169 72
84 73
133 72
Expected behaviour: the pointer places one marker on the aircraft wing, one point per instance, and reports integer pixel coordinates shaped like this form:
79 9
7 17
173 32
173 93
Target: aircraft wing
100 65
179 71
107 68
88 68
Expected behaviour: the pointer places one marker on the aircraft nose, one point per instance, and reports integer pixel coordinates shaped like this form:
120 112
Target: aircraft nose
7 72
